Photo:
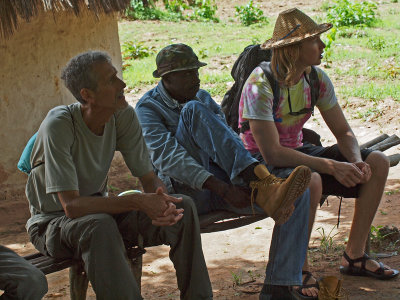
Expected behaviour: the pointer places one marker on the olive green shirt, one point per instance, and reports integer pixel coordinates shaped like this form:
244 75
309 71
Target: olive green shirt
75 159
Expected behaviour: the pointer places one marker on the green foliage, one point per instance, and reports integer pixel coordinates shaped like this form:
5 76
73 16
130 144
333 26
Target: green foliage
327 242
204 10
376 234
351 32
351 13
330 39
132 50
237 278
377 43
203 53
392 192
136 50
137 11
175 6
250 13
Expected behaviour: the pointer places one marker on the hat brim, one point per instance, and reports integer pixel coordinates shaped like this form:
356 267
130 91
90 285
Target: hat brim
271 44
200 64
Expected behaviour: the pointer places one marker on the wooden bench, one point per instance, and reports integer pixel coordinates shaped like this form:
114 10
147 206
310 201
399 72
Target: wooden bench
212 222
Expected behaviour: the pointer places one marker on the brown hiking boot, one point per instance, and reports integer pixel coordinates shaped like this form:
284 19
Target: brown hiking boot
276 195
330 288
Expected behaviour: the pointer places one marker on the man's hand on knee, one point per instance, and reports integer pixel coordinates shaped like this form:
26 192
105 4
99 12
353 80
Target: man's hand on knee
161 209
347 174
365 169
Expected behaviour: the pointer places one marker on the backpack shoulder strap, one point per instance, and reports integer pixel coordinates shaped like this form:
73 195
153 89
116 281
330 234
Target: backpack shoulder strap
266 67
313 82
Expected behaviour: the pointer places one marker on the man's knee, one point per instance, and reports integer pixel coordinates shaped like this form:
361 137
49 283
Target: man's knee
99 227
379 163
315 189
187 203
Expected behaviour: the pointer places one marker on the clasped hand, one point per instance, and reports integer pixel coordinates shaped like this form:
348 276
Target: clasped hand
351 174
161 209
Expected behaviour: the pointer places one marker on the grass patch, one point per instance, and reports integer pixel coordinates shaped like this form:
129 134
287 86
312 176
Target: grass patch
367 57
372 90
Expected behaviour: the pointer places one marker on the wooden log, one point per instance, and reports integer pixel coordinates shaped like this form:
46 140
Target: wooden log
387 143
78 282
394 159
374 141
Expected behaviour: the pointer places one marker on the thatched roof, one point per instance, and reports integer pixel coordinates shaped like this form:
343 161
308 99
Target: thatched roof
13 10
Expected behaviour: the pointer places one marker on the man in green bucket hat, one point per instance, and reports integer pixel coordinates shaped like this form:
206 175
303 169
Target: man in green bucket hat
195 152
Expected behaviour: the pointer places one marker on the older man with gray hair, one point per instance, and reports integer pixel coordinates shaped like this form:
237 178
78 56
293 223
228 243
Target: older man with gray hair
71 212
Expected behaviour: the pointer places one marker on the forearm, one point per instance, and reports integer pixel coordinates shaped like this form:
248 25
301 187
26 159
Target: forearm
216 186
85 205
287 157
151 184
349 147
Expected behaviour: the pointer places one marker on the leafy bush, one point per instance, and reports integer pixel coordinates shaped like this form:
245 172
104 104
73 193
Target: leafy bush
137 11
250 13
204 10
351 13
330 39
136 50
377 43
175 6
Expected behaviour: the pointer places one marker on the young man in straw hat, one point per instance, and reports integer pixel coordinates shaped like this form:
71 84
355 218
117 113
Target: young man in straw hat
275 135
196 153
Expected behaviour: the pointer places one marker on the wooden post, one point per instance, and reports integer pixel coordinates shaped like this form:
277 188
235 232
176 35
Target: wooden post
136 263
78 282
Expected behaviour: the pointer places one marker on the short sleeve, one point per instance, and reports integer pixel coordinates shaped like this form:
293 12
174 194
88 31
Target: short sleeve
257 97
327 97
60 172
131 143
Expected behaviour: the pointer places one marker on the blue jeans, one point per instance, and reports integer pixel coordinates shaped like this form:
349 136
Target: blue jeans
214 145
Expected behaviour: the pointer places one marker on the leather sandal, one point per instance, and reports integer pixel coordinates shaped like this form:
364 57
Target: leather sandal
352 270
306 286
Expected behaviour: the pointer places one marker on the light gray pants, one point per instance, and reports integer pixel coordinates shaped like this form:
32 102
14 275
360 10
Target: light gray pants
100 241
19 279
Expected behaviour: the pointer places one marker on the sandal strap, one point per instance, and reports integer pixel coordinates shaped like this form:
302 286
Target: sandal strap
381 269
304 284
361 259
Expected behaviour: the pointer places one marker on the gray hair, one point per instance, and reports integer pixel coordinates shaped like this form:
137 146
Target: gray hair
78 73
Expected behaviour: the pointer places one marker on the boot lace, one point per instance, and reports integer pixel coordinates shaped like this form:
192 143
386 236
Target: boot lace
326 294
270 179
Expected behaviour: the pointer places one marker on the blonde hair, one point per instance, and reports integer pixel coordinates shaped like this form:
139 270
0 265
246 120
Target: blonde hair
284 62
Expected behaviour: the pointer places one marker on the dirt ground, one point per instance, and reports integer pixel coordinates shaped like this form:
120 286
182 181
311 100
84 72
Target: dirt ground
236 259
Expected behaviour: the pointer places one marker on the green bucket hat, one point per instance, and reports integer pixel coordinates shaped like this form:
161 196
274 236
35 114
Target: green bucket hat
176 57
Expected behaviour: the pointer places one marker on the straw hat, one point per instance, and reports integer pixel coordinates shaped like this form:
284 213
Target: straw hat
292 26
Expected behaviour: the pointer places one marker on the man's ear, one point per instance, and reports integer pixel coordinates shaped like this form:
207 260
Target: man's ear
86 94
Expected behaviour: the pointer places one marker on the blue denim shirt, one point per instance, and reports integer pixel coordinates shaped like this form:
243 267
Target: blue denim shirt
159 116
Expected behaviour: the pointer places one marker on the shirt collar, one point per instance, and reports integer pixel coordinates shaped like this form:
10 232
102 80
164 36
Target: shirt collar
168 100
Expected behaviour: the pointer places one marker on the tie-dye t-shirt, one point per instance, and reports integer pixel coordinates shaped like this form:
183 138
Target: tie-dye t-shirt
257 101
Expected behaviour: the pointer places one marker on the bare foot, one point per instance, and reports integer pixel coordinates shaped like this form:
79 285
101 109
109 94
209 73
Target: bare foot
309 280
